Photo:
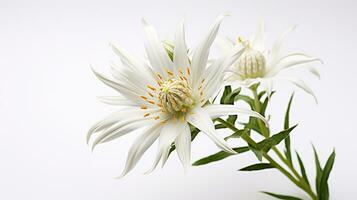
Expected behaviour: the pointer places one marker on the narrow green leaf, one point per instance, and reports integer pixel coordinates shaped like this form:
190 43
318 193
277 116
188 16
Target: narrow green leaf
227 90
264 105
286 125
219 156
257 153
324 191
237 134
268 143
318 171
229 98
257 167
246 99
302 169
280 196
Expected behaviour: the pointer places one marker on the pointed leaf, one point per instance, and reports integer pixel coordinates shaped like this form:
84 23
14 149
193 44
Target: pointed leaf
268 143
219 156
280 196
302 169
324 191
227 90
257 167
286 125
318 171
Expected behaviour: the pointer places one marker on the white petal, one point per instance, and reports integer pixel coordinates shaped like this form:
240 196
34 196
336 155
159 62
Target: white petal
122 89
214 73
201 120
139 147
313 71
183 146
121 128
168 135
215 111
301 84
158 57
180 50
259 39
171 129
287 65
278 43
112 119
116 100
225 44
134 64
200 56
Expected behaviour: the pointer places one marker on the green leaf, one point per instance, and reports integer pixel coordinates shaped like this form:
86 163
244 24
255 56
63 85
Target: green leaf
286 125
264 105
246 99
257 153
229 98
324 191
302 169
257 167
227 90
219 156
268 143
237 134
318 171
280 196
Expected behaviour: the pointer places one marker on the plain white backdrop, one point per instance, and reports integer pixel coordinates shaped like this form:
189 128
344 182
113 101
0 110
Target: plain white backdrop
48 98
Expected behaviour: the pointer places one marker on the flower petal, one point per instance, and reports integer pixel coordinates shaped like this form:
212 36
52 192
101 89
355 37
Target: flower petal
121 128
116 100
169 132
215 111
158 57
134 64
259 37
301 84
200 56
180 51
183 146
214 73
277 45
287 65
139 147
201 120
122 89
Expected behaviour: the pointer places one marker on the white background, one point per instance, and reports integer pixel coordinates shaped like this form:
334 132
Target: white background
48 98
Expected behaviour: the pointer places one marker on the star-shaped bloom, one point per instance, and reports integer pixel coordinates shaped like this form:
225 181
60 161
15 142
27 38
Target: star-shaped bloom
259 64
165 96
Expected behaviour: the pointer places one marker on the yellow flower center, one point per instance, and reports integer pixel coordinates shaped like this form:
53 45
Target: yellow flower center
175 96
251 64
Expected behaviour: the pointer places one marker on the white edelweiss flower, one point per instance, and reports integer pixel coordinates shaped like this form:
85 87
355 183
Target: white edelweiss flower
263 65
163 97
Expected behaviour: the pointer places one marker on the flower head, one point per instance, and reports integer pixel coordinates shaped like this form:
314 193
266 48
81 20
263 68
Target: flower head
263 65
163 97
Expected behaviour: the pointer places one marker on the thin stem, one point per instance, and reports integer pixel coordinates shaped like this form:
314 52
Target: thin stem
250 141
265 132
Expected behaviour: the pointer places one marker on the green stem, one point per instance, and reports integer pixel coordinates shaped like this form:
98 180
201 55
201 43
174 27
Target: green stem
250 141
265 132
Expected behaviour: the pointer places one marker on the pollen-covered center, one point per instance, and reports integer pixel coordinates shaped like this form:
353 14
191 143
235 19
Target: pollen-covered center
251 64
175 96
